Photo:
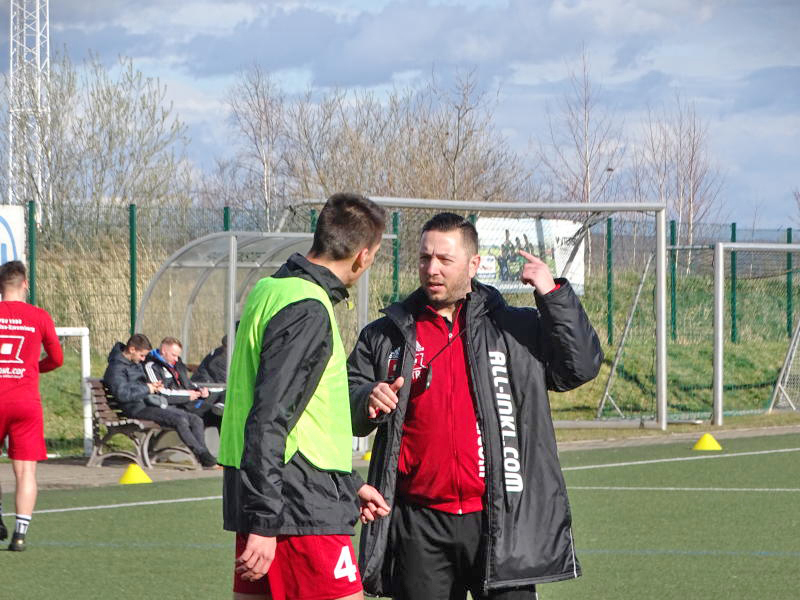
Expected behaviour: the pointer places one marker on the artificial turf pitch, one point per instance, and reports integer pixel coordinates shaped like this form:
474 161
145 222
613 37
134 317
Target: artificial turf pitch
725 527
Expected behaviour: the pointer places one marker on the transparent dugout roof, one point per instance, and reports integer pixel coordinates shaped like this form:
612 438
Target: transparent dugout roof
198 293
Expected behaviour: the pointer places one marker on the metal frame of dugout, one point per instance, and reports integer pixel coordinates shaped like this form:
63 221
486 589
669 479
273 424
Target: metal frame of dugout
261 254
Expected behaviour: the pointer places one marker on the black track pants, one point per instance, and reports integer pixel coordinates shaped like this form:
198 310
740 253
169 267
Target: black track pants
439 556
189 427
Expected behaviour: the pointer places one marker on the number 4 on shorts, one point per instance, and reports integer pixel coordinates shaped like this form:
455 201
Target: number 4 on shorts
345 566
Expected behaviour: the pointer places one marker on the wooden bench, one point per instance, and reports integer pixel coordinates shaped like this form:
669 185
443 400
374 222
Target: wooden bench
145 435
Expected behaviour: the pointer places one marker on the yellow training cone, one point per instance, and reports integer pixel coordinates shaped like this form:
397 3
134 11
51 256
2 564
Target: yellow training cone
707 442
134 474
367 455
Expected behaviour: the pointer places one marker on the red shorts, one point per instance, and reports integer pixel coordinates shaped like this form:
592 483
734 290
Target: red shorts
22 423
306 567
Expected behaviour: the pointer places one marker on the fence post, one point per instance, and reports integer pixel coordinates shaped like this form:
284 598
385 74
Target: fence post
226 218
32 251
734 327
312 215
673 284
133 268
789 297
610 279
396 256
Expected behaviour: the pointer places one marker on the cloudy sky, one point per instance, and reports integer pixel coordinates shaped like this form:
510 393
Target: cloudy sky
739 60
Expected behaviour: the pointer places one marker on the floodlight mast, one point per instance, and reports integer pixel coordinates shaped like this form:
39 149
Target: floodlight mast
29 109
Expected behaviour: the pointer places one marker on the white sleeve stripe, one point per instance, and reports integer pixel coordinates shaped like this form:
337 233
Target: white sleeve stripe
151 374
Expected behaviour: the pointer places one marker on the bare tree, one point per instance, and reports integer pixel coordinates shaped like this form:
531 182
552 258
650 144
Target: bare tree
421 141
678 169
796 196
584 147
257 112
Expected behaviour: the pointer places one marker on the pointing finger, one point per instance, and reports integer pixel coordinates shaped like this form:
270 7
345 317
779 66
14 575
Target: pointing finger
528 256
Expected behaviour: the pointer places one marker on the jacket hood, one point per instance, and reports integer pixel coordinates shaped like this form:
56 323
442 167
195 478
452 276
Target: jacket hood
155 356
299 266
116 354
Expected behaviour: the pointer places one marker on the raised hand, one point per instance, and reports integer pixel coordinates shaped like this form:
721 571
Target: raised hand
536 273
383 397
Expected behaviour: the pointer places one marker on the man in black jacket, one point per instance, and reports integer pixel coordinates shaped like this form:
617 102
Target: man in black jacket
140 399
214 368
455 381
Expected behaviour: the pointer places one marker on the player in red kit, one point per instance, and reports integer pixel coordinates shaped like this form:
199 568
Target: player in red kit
24 329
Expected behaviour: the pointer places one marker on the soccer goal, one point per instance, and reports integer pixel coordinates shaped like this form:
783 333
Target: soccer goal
786 394
572 239
744 354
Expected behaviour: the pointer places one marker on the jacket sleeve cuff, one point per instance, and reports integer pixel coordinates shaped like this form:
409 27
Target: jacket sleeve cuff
265 526
358 481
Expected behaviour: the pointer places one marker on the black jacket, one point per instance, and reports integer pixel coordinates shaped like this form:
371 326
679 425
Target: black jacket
176 380
213 368
266 496
515 355
126 380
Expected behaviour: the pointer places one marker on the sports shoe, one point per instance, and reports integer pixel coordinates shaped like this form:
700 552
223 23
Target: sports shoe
207 460
3 530
17 543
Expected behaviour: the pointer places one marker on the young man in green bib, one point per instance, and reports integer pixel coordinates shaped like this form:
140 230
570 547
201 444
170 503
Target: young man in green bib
290 492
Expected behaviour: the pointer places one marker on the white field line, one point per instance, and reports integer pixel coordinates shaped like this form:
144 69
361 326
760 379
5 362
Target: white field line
680 459
613 488
125 505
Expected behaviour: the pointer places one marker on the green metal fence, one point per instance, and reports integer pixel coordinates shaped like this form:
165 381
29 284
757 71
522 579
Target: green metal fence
90 272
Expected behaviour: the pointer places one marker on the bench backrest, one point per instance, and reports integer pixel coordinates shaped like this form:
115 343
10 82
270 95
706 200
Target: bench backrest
104 405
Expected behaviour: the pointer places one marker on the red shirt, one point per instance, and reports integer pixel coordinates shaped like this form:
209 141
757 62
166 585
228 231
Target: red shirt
24 328
441 453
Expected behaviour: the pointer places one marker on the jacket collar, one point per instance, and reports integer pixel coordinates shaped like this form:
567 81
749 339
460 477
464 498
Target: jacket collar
158 358
481 300
299 266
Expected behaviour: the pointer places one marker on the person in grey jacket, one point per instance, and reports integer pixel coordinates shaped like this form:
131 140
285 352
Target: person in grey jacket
140 399
455 381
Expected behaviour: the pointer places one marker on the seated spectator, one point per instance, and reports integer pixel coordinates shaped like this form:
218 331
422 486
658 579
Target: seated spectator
140 399
166 367
214 367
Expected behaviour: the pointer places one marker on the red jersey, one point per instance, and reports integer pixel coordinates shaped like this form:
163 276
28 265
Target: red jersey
441 453
24 329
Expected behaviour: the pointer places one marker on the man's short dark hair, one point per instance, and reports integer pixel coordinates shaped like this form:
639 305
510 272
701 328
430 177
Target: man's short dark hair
347 223
139 341
447 221
12 274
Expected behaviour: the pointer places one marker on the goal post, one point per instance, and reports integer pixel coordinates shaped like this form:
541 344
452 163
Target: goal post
86 372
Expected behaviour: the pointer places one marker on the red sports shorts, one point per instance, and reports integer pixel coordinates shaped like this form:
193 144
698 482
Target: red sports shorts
22 423
306 567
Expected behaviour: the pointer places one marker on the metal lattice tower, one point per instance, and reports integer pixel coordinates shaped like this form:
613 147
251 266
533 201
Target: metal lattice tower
29 111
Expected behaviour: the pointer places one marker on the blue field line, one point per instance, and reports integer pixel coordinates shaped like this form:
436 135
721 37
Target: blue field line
634 463
734 553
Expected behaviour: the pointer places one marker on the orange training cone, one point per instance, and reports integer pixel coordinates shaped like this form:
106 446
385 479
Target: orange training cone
707 442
